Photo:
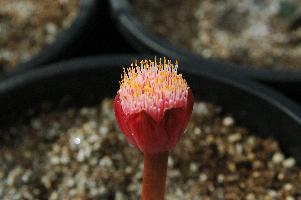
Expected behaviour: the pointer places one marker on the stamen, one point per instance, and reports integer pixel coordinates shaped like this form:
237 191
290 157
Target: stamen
153 87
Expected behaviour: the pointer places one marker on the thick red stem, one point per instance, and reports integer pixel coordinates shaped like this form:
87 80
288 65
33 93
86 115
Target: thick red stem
154 176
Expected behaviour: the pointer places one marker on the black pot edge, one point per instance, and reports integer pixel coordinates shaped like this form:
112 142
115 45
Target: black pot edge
19 75
135 32
50 53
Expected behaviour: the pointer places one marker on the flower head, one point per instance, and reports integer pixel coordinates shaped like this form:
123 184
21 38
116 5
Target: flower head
153 105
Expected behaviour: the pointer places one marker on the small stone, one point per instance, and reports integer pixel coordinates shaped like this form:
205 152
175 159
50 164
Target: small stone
193 167
231 166
54 196
119 196
289 163
46 181
93 139
84 111
170 162
197 131
72 192
70 183
80 156
54 160
257 164
250 196
239 149
289 198
288 187
201 108
96 146
228 121
278 158
211 188
256 174
103 130
56 148
272 193
220 178
203 177
94 192
93 161
26 176
179 192
133 187
280 176
102 190
36 124
174 173
105 162
128 170
251 140
234 137
76 141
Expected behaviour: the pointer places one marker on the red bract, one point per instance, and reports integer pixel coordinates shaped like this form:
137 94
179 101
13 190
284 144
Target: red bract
153 106
149 135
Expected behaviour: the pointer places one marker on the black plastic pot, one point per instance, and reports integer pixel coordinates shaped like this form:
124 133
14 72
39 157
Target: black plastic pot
288 81
71 41
87 81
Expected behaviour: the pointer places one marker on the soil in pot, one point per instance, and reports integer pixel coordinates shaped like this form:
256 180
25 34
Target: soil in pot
80 154
263 34
27 26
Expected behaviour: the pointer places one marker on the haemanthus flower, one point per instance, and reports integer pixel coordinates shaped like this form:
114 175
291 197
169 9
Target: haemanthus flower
153 105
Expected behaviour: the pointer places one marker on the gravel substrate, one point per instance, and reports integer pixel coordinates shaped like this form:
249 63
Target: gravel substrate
26 26
80 154
247 32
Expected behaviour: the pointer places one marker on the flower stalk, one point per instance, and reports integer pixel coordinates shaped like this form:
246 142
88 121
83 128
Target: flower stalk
154 176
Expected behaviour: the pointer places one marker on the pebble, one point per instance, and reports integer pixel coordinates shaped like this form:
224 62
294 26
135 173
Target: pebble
278 158
200 108
105 162
220 178
272 193
234 137
174 173
289 198
197 131
288 187
36 124
70 183
51 28
250 196
228 121
55 160
103 130
26 176
251 141
203 177
193 167
289 163
170 162
119 196
128 170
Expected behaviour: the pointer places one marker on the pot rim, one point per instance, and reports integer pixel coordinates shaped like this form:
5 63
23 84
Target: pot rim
19 76
134 30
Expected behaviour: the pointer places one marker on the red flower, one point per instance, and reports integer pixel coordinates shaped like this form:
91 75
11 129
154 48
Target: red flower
153 106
